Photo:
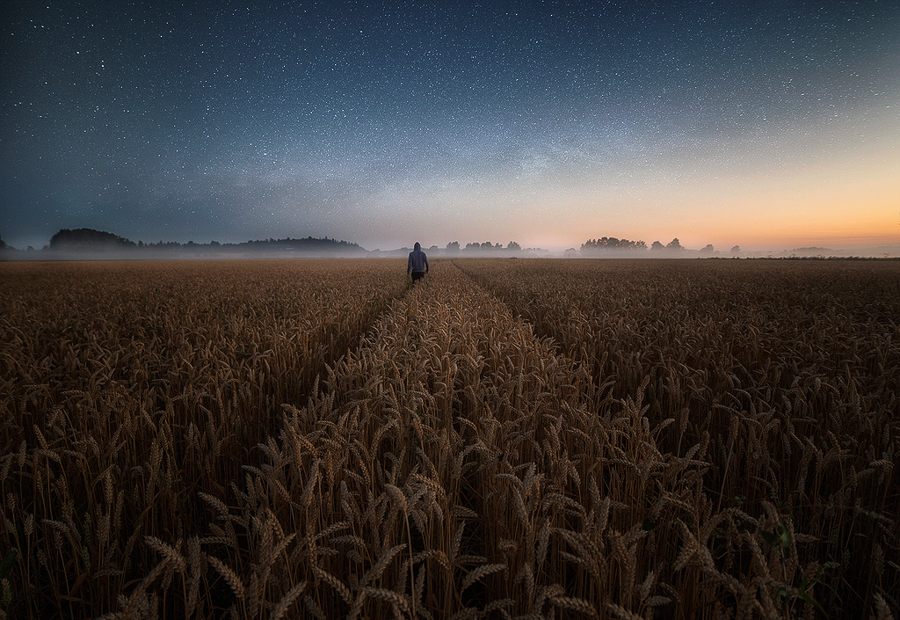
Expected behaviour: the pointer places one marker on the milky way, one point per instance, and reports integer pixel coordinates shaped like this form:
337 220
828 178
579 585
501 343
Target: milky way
383 124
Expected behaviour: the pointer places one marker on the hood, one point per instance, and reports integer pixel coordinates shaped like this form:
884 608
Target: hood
417 246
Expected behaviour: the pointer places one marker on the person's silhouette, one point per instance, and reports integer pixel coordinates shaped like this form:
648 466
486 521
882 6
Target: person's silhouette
417 265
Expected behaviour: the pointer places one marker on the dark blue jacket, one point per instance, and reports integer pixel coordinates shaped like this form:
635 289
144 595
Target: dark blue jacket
418 262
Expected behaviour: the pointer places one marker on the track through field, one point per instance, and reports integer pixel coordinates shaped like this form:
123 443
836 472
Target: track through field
504 439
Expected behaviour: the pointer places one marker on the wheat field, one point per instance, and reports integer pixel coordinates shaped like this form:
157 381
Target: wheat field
507 439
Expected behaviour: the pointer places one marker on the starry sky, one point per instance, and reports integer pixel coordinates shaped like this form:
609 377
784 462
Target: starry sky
766 124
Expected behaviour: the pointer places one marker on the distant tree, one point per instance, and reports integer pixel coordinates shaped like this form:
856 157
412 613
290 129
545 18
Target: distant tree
453 247
514 247
708 249
736 249
611 243
487 245
433 248
657 246
88 239
674 245
473 247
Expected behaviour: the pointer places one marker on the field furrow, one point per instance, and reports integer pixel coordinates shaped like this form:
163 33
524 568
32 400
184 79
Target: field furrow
403 476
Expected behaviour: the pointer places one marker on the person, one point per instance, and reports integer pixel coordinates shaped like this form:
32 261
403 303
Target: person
417 265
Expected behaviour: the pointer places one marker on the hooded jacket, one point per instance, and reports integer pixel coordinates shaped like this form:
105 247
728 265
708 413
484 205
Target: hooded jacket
418 262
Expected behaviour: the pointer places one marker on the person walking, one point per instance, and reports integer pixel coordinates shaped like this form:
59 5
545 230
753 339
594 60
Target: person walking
417 265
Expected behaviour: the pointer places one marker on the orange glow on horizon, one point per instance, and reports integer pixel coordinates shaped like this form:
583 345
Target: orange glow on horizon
838 199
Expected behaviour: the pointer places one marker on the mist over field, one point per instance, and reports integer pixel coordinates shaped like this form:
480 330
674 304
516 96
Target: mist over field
89 244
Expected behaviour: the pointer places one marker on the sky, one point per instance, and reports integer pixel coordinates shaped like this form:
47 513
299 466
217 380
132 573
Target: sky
767 124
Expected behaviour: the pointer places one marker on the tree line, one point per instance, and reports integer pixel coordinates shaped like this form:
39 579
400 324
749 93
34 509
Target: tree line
604 244
90 241
454 247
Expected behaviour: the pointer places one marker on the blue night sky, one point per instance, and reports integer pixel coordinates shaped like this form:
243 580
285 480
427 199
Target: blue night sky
765 124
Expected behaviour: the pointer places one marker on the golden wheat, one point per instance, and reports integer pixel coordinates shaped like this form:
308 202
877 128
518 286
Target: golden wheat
694 440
